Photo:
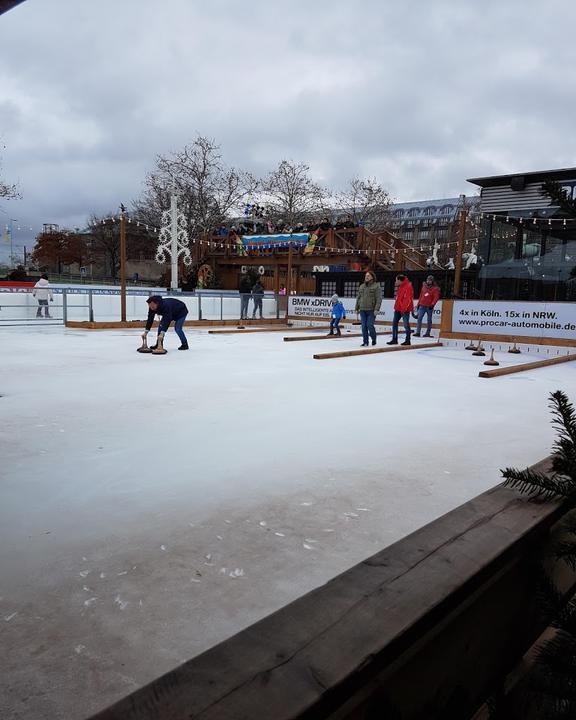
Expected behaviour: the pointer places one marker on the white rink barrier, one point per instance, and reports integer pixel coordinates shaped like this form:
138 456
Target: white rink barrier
103 305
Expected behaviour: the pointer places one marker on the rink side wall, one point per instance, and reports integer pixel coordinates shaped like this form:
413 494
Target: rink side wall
426 628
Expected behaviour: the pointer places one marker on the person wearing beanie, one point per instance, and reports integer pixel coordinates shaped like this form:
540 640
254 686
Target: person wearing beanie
338 312
43 292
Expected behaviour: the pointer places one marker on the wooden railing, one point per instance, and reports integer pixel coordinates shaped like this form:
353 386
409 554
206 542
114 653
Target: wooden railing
384 249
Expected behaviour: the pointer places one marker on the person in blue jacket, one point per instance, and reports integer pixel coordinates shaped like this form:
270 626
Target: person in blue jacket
169 310
338 312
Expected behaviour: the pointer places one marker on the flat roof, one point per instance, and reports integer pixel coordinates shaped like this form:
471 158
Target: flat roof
535 176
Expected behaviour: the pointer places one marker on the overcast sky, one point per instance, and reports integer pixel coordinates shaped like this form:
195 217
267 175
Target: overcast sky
421 94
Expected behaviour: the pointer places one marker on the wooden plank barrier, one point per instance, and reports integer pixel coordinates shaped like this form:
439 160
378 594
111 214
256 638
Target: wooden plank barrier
374 351
239 331
296 338
510 370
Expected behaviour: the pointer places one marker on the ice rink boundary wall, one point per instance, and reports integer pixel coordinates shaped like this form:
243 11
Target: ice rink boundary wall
449 610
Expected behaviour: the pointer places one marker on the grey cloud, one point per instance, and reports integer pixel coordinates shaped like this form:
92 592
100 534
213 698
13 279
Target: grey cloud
420 94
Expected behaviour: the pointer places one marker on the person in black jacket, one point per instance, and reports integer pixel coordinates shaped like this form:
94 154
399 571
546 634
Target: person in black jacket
169 310
258 296
245 292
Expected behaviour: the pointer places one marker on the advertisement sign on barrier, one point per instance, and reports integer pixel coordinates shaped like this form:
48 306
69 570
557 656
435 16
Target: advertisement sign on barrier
320 307
529 319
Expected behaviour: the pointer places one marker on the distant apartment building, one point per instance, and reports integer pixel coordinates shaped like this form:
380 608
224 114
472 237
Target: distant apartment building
423 223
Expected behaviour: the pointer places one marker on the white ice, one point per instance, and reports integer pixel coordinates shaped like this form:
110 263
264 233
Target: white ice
114 460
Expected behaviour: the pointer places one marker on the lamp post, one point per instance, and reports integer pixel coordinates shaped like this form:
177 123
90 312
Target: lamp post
12 221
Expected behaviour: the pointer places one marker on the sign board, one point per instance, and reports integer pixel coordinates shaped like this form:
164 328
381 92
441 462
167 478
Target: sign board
320 307
528 319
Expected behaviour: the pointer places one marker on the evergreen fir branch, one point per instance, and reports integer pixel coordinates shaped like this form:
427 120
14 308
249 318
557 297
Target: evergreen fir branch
564 416
537 484
553 190
557 659
550 600
565 551
565 620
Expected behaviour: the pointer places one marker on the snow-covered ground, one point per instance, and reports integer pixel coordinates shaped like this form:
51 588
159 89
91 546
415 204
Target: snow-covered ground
152 506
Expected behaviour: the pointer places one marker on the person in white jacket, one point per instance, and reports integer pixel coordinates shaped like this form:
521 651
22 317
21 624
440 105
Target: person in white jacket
43 292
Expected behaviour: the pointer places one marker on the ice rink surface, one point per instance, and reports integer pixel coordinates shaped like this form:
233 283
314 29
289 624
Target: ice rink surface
150 507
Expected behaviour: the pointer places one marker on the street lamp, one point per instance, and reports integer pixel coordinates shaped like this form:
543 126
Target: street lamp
12 220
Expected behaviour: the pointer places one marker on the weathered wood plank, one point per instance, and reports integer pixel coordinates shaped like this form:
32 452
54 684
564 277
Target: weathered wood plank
375 351
298 338
511 369
238 331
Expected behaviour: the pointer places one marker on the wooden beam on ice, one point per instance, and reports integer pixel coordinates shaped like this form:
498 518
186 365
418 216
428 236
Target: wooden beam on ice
296 338
238 331
374 351
510 370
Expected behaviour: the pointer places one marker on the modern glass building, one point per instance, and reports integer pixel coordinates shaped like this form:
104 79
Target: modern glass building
527 246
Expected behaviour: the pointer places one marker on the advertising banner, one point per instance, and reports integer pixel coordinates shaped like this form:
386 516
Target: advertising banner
529 319
320 307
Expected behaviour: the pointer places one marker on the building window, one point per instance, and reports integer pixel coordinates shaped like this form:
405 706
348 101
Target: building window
351 289
328 288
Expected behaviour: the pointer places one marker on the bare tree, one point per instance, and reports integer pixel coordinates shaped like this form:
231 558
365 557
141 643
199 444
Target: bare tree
367 202
105 242
7 191
209 191
291 194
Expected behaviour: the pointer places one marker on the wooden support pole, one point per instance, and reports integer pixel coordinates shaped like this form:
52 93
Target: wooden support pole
374 351
526 366
122 264
459 250
289 278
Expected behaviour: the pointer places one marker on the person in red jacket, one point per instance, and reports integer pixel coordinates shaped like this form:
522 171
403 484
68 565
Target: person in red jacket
429 296
403 308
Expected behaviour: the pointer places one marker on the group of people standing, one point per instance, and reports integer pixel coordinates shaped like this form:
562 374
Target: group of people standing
369 299
247 291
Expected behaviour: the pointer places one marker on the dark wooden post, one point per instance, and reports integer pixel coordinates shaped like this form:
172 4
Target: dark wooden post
289 278
459 251
122 264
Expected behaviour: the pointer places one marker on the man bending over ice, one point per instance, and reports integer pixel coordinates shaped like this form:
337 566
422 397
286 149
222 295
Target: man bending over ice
169 310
